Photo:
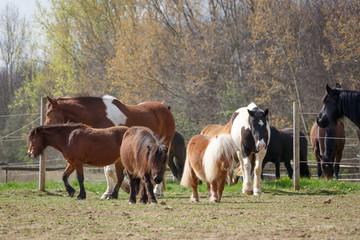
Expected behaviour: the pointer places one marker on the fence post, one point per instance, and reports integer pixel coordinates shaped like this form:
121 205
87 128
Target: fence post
42 164
296 145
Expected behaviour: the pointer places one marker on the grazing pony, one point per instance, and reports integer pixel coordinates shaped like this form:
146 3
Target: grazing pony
280 149
177 155
251 132
208 159
144 156
213 130
338 103
107 111
80 144
328 144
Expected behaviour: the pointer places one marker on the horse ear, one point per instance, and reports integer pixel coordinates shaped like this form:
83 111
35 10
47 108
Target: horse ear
266 112
37 130
52 101
251 113
329 90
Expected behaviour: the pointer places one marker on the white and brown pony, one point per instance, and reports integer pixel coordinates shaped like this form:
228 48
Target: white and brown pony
251 132
208 159
144 156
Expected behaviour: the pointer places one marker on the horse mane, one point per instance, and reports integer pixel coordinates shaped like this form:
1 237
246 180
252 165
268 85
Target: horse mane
349 101
218 146
66 126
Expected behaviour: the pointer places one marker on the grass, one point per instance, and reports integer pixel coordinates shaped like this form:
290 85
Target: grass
308 186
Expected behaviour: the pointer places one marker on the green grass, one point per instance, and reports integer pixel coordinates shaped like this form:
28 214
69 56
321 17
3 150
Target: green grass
308 186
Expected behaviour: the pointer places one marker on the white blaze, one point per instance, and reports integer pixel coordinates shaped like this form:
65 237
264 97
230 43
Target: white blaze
113 113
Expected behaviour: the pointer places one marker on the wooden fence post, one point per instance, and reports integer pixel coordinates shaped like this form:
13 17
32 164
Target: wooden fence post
296 146
42 163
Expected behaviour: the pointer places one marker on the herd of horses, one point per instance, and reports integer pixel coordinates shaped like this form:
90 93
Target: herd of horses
140 140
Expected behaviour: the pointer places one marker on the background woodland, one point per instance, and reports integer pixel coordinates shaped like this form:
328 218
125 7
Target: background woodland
203 58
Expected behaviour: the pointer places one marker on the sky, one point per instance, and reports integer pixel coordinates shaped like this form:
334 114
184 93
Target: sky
26 8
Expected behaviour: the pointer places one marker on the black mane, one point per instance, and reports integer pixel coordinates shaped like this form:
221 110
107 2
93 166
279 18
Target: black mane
349 102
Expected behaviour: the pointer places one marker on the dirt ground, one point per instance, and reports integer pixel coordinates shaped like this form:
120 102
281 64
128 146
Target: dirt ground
30 214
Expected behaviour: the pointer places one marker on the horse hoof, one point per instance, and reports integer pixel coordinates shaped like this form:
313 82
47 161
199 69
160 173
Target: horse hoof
71 193
80 197
257 193
249 192
131 203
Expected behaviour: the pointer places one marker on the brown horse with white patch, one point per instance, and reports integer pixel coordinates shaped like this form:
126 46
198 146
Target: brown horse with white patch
80 144
208 159
144 156
107 111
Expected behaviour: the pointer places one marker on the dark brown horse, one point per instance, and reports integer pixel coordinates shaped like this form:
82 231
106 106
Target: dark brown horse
144 156
80 144
177 155
208 159
328 144
107 111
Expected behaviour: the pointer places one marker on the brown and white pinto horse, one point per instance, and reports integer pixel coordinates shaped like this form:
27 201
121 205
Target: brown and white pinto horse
107 111
144 156
251 132
208 159
212 130
80 144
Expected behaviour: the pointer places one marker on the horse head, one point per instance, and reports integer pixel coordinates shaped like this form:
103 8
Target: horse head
258 120
330 112
158 161
36 143
53 114
328 168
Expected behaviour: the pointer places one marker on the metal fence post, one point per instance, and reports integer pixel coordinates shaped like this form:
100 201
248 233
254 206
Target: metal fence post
296 147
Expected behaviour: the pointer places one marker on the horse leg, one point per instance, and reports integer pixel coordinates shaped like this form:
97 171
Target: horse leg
172 166
119 169
214 192
149 188
194 185
277 168
143 194
246 169
69 169
221 188
80 177
109 173
337 166
134 186
257 172
289 169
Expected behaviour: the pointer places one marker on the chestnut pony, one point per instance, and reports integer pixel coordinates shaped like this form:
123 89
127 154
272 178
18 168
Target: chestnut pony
208 159
212 130
80 144
107 111
328 144
144 156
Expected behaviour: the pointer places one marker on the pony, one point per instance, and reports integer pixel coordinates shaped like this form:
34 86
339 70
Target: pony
328 144
144 156
107 111
80 144
213 130
280 149
177 155
338 103
251 132
208 159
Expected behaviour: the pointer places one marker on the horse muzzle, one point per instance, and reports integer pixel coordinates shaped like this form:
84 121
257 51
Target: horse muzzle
322 121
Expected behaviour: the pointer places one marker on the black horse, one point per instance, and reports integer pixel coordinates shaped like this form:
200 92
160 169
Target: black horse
338 103
177 155
280 149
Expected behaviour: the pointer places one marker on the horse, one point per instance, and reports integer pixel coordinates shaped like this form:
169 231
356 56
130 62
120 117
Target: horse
107 111
338 103
208 159
212 130
328 144
280 149
80 144
144 156
177 155
251 132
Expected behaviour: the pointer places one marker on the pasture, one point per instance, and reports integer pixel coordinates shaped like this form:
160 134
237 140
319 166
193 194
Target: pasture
320 210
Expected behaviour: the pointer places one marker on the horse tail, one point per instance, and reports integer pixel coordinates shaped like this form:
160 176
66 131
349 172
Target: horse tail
186 179
218 146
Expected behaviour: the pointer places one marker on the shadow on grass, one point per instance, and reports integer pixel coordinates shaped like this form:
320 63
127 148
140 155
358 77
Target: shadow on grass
302 192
